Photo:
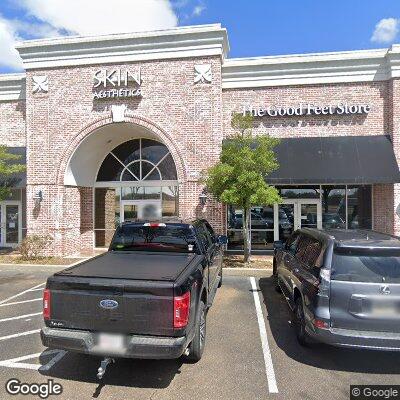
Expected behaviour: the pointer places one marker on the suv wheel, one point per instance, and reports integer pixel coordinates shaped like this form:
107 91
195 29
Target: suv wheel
300 323
275 277
196 347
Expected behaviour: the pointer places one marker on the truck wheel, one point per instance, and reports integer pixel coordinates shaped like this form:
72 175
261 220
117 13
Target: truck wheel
196 348
300 323
275 277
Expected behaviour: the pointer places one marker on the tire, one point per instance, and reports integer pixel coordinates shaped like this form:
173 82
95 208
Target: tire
300 323
275 277
197 345
220 279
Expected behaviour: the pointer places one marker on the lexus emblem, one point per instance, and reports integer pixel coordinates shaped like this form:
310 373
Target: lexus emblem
384 289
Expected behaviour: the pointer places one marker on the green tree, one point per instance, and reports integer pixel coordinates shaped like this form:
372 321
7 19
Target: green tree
9 166
238 179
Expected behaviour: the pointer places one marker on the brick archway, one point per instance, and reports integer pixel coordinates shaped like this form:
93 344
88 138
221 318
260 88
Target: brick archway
131 119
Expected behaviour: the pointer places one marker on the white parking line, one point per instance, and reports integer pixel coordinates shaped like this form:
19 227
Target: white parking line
21 293
269 367
15 362
20 302
20 317
19 334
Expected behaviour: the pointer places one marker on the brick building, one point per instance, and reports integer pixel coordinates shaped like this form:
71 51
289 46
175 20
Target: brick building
121 126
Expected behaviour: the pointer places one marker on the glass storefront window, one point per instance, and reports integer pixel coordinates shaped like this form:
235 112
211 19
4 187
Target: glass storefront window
141 193
235 240
342 207
235 224
235 218
262 217
261 228
308 215
299 192
286 220
138 160
359 207
262 240
117 207
333 207
169 201
24 229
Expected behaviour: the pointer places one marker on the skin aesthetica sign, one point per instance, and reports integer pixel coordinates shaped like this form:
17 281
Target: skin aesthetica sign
117 83
307 109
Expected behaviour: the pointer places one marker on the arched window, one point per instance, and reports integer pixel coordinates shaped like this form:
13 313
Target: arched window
138 160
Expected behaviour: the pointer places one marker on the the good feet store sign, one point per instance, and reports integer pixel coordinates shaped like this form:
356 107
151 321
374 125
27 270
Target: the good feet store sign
307 109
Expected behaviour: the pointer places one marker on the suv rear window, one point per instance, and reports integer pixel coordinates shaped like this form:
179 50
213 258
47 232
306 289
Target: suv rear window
170 238
309 251
365 266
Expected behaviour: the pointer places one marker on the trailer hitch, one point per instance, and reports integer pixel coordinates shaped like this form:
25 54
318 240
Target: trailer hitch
103 366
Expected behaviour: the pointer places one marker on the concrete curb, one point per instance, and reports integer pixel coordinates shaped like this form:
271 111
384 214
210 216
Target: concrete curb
44 265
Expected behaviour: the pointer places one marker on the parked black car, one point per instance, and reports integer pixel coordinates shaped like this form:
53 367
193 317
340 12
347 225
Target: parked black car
343 286
147 297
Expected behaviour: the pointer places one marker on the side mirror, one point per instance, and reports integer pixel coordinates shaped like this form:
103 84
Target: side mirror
222 240
279 245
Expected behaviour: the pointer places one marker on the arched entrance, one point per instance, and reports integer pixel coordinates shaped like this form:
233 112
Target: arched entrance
132 170
137 180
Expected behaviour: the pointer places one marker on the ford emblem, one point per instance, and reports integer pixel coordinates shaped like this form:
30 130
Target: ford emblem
108 304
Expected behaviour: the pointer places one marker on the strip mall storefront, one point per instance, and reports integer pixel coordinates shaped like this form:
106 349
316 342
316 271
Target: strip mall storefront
121 127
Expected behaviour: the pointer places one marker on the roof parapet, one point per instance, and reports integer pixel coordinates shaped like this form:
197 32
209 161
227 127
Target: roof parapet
12 87
315 68
182 42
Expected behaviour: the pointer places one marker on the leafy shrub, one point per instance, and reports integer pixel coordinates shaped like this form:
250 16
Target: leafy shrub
33 246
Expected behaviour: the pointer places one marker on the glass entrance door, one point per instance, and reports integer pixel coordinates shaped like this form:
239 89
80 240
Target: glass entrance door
134 210
301 213
10 216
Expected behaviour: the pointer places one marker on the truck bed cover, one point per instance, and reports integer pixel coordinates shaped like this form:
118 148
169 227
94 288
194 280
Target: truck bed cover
137 266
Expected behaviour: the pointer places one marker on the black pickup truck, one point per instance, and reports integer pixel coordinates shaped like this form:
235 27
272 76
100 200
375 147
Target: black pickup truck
147 297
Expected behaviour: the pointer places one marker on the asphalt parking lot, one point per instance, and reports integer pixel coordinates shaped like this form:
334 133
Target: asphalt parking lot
251 352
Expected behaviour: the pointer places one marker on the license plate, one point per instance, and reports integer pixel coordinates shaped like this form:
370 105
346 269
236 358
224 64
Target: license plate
384 309
111 342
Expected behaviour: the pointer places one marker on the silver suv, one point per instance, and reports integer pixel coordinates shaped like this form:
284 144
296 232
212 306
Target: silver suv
343 286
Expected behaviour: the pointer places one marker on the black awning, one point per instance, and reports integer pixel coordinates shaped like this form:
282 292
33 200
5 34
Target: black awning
340 159
16 180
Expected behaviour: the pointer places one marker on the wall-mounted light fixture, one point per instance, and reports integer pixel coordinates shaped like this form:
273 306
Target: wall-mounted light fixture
38 197
203 198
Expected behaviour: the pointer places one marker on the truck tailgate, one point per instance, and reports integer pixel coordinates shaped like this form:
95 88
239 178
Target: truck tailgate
144 308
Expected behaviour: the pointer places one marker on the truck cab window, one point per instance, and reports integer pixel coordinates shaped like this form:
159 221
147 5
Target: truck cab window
204 236
211 232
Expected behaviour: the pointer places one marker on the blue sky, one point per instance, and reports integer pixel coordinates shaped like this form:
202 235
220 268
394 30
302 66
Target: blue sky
255 27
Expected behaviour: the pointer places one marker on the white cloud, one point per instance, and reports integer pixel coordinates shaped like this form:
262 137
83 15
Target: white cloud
84 17
386 30
93 17
9 57
198 10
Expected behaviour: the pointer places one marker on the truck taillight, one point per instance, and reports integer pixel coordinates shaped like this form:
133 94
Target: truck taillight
324 286
46 303
181 310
